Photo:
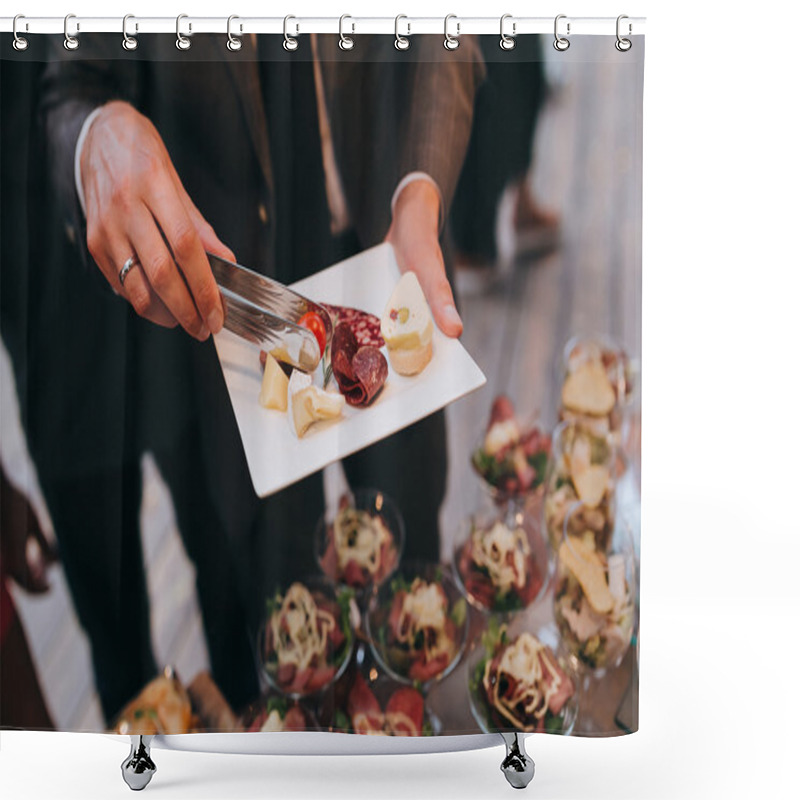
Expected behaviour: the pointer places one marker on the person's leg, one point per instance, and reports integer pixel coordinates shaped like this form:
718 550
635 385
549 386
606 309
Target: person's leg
411 467
221 584
96 520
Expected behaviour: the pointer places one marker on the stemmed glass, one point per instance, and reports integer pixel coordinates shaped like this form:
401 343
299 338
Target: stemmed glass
440 613
501 562
582 469
595 596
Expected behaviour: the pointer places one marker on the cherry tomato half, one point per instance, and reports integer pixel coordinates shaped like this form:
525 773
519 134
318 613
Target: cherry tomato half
314 323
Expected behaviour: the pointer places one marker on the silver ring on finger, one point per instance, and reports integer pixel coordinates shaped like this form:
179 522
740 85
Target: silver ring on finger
126 268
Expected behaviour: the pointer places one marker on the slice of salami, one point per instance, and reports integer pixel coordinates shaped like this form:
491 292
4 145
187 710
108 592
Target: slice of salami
359 371
371 369
365 326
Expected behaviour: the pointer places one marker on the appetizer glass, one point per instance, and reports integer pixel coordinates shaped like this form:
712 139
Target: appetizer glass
494 476
490 720
370 503
394 659
276 712
338 604
480 564
579 458
595 597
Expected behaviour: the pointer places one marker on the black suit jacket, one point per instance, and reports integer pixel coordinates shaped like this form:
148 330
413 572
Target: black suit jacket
391 113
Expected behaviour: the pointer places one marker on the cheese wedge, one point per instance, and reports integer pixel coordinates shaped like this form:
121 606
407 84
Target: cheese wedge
311 404
589 391
407 327
274 386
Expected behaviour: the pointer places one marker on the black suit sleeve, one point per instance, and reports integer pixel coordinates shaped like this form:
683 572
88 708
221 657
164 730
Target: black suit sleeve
72 87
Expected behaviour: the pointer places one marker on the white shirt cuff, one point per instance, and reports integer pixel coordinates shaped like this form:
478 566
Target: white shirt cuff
420 176
87 123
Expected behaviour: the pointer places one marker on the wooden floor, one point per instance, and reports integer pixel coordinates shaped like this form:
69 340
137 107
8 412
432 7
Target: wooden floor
588 167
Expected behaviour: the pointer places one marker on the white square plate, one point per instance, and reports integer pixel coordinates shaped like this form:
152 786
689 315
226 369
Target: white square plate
275 456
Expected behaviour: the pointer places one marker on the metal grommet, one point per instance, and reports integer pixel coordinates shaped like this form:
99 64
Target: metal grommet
70 42
346 42
20 42
182 42
561 43
450 41
289 42
507 42
623 45
129 42
234 42
401 42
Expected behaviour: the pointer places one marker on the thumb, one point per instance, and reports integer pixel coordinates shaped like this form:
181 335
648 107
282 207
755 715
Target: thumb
437 291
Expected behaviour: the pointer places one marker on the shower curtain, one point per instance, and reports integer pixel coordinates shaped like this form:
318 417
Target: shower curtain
432 532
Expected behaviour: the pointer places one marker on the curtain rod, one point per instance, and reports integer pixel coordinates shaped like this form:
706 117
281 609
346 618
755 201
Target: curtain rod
298 25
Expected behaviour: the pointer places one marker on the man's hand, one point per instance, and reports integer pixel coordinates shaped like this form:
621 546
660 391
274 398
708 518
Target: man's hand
136 205
414 234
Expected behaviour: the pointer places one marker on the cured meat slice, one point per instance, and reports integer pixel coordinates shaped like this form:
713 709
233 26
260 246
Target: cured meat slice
363 708
359 371
404 712
365 326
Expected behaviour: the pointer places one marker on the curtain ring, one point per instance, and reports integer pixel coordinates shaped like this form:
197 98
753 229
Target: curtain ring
561 43
70 42
182 42
450 41
129 42
507 42
623 45
20 42
346 42
401 42
289 42
234 42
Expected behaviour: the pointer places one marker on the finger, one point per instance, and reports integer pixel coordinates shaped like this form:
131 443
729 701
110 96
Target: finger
162 273
188 252
437 291
208 237
136 289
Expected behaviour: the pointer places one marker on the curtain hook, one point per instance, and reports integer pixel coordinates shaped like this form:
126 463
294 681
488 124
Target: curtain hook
507 42
450 41
70 42
182 42
234 42
129 42
623 45
401 42
289 42
20 42
561 43
346 42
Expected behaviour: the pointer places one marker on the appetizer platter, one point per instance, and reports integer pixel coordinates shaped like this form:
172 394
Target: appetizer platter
385 366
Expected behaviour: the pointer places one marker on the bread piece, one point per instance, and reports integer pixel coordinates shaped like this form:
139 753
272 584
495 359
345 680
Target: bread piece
588 391
407 327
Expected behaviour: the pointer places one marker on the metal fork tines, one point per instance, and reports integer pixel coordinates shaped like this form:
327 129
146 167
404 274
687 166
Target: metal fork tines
270 333
262 291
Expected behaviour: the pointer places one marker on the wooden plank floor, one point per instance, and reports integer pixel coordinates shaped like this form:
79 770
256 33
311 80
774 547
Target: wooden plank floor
588 167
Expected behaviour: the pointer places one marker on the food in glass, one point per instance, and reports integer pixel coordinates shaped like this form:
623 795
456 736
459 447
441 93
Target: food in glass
581 472
594 601
361 546
163 706
307 638
382 708
278 714
511 459
598 383
502 564
417 626
519 685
